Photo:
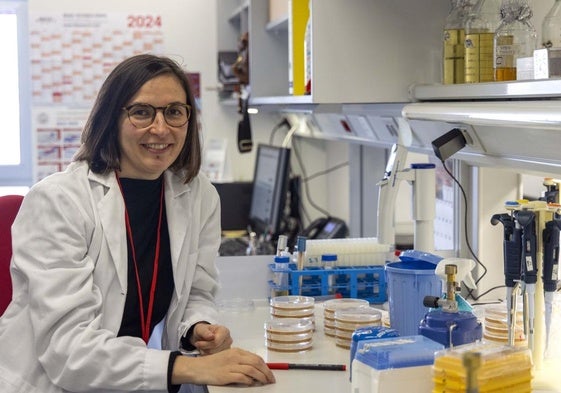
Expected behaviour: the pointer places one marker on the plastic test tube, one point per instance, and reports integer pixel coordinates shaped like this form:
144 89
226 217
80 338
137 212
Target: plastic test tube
328 262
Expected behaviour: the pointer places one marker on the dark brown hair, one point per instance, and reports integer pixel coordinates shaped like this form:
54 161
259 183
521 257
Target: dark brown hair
100 139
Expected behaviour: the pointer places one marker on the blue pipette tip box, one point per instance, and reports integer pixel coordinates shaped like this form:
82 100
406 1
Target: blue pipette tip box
397 352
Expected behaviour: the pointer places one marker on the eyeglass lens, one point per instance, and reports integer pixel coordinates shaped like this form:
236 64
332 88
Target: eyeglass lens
143 115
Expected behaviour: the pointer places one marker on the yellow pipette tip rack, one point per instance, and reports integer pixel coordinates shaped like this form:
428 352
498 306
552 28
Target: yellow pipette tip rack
499 368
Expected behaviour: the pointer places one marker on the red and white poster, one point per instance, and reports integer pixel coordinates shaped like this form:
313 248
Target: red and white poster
71 55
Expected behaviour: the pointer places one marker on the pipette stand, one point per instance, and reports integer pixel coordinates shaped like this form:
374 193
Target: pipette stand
535 330
422 179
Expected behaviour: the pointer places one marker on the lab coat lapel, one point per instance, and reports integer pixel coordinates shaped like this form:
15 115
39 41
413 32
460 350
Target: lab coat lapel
177 197
111 214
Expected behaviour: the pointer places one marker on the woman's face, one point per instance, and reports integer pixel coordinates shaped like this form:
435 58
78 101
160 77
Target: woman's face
147 152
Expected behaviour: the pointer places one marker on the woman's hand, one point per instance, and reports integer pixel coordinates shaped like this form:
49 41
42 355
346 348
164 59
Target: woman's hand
231 366
209 339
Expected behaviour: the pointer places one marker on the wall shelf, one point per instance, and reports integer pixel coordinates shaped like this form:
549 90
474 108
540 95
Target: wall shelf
530 89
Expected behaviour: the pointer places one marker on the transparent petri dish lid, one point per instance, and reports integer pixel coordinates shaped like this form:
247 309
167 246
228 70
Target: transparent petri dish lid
289 325
344 334
289 347
292 312
333 304
343 343
498 314
329 322
358 315
292 302
329 331
289 337
518 341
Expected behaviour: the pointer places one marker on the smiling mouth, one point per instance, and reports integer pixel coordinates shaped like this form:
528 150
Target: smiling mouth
156 146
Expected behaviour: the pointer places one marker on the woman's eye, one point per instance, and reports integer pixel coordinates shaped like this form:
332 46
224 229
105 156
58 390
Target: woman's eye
140 112
175 111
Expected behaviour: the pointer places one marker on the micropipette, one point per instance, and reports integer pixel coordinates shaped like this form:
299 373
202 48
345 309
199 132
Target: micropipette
512 251
551 194
550 269
527 220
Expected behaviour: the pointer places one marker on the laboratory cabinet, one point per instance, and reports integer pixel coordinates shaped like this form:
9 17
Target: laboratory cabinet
374 62
361 50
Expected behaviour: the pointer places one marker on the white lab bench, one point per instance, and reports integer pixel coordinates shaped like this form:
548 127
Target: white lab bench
247 328
246 278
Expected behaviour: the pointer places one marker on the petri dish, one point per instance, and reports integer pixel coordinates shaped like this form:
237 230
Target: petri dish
292 307
292 302
289 347
288 334
330 306
288 325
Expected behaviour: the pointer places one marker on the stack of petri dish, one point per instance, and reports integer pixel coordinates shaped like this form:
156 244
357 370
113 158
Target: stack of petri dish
347 320
293 306
329 308
289 334
495 326
386 320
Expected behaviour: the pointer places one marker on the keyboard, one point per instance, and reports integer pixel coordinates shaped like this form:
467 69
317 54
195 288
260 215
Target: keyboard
233 246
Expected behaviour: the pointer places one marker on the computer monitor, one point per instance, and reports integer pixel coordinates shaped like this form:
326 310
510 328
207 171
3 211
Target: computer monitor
270 182
235 201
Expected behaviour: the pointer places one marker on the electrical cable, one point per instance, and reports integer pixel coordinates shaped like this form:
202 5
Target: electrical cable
469 290
328 170
306 188
288 139
486 292
283 123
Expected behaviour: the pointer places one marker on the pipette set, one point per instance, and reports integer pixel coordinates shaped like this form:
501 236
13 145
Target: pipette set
530 247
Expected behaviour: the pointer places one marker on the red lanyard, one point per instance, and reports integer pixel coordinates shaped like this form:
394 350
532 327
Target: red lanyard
145 320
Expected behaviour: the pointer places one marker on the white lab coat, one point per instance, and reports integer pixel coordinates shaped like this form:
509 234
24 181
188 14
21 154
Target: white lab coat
69 272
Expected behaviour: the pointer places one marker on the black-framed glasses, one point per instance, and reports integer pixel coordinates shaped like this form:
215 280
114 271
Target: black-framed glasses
143 115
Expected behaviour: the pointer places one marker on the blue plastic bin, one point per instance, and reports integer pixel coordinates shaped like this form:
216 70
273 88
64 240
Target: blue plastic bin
409 281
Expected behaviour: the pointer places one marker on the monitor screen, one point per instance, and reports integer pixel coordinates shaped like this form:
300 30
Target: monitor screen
235 200
270 182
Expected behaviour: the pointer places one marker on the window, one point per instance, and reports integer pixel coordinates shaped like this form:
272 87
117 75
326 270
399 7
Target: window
15 100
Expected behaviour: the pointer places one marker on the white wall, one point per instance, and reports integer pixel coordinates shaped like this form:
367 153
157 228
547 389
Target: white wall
189 28
190 35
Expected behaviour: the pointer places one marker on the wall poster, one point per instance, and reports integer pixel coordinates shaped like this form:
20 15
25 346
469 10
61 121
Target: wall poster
71 54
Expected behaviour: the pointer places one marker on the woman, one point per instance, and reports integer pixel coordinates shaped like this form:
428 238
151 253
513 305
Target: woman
124 238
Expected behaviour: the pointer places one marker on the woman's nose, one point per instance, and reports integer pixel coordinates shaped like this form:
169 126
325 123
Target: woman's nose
159 126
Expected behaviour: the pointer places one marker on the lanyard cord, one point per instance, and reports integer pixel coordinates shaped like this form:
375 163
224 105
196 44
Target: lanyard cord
145 319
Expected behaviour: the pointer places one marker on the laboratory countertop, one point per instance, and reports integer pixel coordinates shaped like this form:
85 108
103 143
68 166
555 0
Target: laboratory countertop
246 321
247 328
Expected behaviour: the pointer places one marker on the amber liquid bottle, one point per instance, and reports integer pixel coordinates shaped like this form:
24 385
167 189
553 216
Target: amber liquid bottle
514 38
453 43
481 24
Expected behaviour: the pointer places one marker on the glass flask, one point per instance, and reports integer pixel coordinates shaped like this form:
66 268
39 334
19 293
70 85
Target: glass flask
551 39
551 27
481 24
515 38
454 37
